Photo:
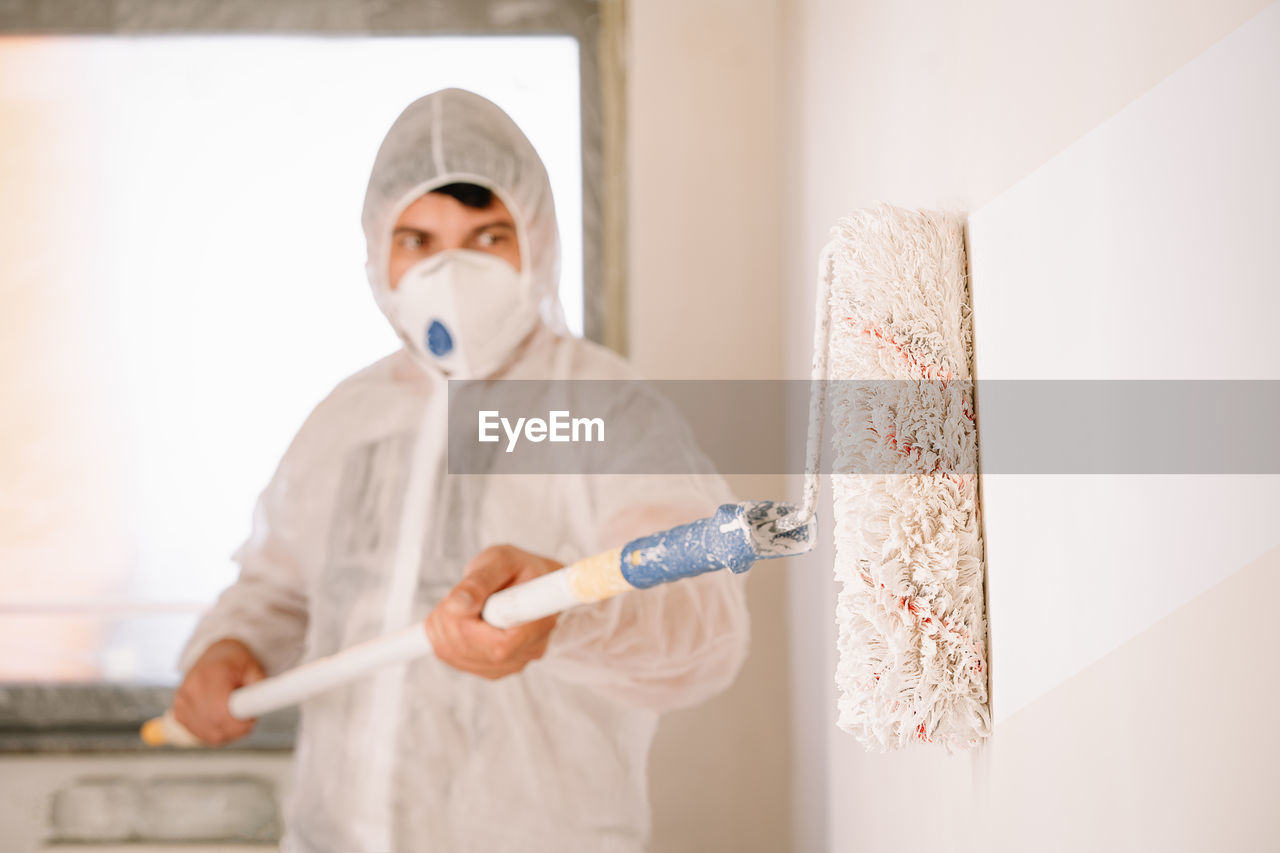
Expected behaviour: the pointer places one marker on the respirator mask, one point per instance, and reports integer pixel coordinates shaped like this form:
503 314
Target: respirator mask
461 312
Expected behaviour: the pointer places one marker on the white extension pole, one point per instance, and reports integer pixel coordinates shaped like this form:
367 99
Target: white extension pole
322 674
591 579
516 605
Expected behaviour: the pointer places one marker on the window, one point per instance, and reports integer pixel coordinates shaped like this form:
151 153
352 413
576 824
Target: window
181 280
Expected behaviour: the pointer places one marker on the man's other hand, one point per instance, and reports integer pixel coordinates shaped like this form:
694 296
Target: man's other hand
201 702
465 641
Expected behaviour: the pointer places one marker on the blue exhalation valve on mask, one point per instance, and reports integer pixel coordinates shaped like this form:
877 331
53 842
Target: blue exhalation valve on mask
439 341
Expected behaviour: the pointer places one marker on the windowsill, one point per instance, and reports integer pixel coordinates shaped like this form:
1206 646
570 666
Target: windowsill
72 718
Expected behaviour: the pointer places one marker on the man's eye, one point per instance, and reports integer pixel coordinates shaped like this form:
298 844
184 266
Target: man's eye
490 238
409 241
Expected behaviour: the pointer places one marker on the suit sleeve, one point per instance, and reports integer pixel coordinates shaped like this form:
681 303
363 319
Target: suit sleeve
676 644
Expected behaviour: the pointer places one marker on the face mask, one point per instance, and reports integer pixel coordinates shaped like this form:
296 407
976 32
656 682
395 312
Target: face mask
461 312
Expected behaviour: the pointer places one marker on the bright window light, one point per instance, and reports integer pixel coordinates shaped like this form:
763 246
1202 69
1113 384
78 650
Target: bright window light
181 281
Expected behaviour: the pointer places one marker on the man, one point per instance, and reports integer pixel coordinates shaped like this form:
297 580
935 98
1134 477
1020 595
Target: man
530 739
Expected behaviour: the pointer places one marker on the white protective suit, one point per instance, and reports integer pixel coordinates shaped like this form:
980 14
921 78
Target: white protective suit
361 531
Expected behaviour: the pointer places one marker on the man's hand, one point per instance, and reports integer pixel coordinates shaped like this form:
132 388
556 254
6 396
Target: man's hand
201 702
465 641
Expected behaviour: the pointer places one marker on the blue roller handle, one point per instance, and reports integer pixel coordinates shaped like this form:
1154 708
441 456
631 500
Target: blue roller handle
706 545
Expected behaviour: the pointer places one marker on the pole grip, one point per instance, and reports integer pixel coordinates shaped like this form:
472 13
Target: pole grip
722 541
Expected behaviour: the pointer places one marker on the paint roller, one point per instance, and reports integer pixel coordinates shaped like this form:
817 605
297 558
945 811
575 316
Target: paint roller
892 368
895 323
734 538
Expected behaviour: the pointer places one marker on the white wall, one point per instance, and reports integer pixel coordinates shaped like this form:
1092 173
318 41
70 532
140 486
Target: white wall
1119 671
1158 223
704 157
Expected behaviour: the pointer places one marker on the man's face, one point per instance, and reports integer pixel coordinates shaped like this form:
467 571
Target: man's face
437 222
